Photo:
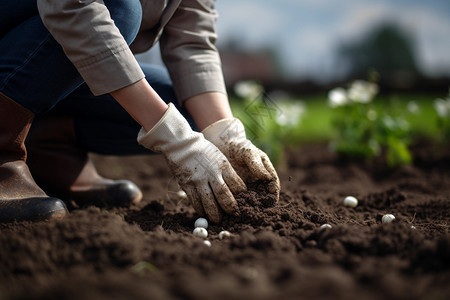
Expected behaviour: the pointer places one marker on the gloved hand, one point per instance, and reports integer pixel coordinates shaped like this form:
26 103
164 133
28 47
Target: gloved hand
202 171
248 161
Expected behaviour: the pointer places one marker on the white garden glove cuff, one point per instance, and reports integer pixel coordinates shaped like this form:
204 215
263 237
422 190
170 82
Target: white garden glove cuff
202 171
248 161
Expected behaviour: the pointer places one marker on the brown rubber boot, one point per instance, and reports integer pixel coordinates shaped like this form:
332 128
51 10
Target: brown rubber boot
61 166
20 197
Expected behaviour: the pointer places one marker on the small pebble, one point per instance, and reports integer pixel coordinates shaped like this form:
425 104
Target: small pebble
413 227
207 243
311 243
350 201
325 226
181 194
387 218
200 232
224 234
201 222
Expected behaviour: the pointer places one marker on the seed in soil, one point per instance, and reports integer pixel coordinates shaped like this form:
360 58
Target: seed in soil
387 218
325 226
181 194
200 232
201 222
350 201
207 243
224 234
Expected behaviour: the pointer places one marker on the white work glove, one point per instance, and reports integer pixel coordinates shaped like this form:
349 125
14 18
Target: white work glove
251 163
202 171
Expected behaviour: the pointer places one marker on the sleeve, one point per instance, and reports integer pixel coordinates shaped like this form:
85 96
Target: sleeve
92 42
189 52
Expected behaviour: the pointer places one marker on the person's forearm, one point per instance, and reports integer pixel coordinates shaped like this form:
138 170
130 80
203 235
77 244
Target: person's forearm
142 103
208 108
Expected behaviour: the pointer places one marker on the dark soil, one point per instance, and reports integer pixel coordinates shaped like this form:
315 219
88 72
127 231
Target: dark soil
275 252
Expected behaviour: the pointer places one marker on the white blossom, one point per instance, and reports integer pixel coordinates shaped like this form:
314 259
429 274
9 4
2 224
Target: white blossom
442 107
290 113
337 97
362 91
413 107
248 89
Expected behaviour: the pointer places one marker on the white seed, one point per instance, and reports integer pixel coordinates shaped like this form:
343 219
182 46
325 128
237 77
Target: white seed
350 201
325 226
207 243
201 222
413 227
224 234
200 232
181 194
387 218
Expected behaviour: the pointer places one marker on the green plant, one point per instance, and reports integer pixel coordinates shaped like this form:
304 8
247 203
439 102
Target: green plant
142 267
442 107
366 132
270 122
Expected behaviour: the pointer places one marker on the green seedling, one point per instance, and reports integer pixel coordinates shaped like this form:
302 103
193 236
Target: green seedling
142 267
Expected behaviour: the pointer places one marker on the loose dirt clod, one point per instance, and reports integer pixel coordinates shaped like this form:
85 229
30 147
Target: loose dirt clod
257 194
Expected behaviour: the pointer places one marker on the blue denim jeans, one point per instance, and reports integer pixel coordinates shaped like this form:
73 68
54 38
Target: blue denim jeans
103 126
35 72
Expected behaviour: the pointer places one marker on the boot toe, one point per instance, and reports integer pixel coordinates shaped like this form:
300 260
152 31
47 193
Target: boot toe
33 209
108 193
126 193
53 209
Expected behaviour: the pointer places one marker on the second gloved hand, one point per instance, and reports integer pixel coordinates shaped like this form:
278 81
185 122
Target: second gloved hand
251 163
202 171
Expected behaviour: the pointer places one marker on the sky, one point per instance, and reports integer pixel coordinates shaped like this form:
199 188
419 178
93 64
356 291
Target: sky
305 33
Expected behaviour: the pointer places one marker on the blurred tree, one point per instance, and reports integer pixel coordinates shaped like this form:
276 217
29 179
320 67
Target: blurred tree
389 50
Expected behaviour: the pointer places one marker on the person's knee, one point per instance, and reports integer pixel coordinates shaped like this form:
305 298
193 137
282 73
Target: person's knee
127 15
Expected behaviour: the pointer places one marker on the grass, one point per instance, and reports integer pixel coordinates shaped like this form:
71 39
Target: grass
425 122
316 123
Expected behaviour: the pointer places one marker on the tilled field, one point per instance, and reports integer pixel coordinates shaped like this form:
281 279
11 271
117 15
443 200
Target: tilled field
274 252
